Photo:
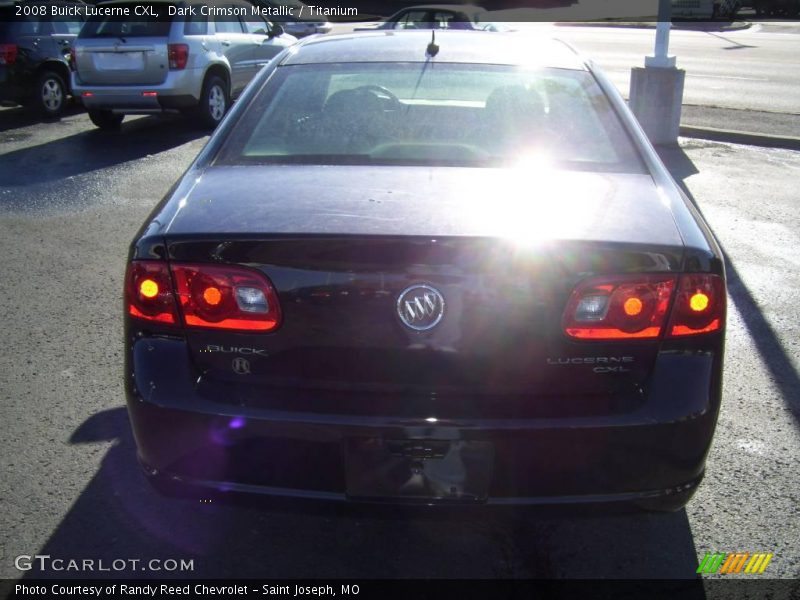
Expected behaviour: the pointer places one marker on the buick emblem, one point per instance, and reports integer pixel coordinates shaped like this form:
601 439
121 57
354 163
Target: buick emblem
420 307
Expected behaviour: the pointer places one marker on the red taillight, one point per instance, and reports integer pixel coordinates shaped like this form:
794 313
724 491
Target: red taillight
610 308
209 296
699 305
178 56
73 59
8 54
226 298
637 307
148 292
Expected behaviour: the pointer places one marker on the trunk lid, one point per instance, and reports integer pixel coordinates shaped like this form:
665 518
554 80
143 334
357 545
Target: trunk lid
340 254
519 204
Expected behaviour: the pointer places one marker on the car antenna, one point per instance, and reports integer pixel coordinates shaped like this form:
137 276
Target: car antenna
433 49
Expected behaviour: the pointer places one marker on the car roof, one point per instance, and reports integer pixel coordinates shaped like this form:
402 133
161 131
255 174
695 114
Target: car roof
474 47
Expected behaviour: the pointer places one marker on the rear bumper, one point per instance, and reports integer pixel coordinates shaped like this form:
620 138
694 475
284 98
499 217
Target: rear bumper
655 455
181 89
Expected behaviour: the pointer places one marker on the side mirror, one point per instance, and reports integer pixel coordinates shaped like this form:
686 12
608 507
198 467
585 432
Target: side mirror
276 31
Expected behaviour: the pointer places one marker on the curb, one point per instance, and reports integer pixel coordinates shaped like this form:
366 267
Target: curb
741 137
704 26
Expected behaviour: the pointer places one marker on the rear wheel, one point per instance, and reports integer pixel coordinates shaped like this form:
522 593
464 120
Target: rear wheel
50 94
105 119
214 101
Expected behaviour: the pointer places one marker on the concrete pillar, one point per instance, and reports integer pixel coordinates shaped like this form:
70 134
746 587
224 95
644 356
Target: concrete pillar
656 96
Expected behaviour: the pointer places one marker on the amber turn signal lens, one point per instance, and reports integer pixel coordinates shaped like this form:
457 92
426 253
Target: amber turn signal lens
148 293
212 296
148 288
698 302
632 307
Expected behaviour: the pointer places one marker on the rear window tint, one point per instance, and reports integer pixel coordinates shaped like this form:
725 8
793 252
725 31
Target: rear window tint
66 25
6 23
13 26
473 115
120 26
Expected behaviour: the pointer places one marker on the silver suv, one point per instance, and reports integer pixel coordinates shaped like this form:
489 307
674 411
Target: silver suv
181 57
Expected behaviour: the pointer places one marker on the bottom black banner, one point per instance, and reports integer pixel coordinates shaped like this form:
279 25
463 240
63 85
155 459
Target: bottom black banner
405 588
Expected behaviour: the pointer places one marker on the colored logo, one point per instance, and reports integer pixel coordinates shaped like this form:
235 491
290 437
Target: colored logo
734 562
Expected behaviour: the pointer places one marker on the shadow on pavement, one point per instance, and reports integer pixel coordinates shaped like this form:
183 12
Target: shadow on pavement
733 44
19 116
94 150
761 332
118 516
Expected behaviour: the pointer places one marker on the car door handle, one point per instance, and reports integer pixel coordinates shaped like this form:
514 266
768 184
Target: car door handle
226 42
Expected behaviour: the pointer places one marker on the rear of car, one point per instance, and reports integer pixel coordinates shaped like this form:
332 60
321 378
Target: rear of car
175 57
35 42
457 279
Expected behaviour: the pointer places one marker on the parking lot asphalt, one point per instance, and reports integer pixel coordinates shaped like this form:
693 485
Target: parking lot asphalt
71 199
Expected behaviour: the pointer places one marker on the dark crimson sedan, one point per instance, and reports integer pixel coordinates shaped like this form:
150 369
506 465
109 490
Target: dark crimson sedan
448 272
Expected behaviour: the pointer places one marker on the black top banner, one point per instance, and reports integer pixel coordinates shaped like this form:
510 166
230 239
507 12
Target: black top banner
508 11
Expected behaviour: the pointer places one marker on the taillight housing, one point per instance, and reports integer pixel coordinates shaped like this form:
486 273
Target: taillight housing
148 292
642 307
178 55
73 59
621 307
699 307
224 297
202 296
8 54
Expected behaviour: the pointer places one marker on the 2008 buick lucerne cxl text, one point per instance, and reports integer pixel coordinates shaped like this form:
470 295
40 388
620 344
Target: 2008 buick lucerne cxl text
450 272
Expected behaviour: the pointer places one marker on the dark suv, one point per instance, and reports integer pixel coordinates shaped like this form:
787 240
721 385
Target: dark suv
35 44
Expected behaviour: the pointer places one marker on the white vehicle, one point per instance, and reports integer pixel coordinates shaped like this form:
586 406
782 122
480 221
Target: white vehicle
193 64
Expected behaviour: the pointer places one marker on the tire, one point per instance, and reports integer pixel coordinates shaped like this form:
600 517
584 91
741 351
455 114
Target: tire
49 95
106 120
215 101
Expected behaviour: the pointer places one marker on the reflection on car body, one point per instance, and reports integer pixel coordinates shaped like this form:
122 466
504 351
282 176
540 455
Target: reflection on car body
471 277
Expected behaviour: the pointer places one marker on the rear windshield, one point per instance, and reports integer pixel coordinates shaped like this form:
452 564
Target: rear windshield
13 25
7 26
114 26
412 113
